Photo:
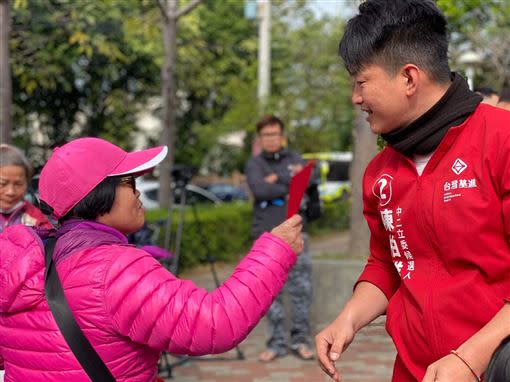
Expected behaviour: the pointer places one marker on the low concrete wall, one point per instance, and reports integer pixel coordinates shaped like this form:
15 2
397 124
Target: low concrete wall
332 287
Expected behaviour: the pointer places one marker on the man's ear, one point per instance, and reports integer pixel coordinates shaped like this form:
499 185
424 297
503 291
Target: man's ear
411 76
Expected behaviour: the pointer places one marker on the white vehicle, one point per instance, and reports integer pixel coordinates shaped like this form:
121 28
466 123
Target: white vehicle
334 170
149 194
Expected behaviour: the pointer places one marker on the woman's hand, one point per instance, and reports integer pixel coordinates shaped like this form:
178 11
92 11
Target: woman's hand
449 369
290 232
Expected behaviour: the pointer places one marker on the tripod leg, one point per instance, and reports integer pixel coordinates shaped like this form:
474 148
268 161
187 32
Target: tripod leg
211 261
164 366
168 226
178 239
174 268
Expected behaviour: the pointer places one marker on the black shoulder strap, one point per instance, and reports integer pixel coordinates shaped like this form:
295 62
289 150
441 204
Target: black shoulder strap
79 344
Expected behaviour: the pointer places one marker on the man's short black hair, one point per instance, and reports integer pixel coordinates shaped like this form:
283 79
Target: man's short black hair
504 96
392 33
268 120
98 202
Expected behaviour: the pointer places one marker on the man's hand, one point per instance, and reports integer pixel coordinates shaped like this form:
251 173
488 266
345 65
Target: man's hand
331 343
273 178
448 369
367 303
290 232
476 351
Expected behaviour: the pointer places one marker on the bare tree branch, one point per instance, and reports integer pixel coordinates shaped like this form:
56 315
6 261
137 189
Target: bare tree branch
188 8
162 8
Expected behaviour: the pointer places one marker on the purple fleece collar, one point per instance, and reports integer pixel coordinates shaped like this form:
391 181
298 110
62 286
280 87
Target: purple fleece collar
73 224
77 234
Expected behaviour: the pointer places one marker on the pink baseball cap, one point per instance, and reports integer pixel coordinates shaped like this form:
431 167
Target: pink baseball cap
73 170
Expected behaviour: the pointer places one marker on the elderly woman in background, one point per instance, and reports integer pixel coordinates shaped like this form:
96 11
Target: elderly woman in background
15 173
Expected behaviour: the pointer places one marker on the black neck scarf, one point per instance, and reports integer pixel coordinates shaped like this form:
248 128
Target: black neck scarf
276 155
423 135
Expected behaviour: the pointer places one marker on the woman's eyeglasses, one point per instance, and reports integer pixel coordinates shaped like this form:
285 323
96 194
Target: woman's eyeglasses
130 181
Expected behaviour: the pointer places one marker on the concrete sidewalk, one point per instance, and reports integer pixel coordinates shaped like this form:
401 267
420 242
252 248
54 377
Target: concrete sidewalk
368 359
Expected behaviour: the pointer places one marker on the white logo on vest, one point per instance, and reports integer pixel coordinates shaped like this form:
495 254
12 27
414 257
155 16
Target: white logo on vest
382 189
458 166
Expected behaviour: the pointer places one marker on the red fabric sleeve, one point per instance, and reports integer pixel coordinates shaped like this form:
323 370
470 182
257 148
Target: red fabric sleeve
502 176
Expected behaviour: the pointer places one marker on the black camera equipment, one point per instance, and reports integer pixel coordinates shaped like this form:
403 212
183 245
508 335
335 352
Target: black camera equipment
182 175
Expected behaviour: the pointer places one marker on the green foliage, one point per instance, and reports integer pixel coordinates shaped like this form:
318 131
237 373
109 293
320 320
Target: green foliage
217 57
88 67
227 229
336 217
311 88
466 16
481 26
75 71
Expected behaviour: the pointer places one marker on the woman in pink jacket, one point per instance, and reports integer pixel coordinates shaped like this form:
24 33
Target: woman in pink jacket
129 307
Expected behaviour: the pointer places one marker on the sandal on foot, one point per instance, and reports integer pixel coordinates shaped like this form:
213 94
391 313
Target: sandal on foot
303 352
268 356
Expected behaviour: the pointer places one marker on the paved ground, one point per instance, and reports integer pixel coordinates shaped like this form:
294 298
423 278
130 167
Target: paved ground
368 359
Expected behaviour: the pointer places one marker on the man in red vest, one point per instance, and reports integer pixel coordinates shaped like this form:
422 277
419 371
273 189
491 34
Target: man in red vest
436 199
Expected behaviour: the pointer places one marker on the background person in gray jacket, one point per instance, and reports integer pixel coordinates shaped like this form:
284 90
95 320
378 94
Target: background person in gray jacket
268 176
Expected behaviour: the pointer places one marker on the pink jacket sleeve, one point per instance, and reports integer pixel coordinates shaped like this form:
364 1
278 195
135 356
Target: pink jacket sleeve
152 307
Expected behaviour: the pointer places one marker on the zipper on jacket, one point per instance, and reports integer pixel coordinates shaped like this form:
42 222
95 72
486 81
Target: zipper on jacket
428 312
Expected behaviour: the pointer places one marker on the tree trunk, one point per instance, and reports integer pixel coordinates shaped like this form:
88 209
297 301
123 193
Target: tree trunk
169 89
365 148
5 73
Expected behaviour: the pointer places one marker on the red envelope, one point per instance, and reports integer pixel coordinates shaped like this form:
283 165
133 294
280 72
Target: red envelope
297 188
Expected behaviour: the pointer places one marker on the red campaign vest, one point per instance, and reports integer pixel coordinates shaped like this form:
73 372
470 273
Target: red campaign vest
438 247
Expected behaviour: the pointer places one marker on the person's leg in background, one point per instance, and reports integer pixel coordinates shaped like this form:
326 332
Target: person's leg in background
277 335
299 286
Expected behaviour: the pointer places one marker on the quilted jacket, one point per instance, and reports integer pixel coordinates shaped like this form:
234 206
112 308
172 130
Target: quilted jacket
129 307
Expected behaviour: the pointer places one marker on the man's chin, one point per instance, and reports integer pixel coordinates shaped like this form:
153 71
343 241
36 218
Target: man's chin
375 129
